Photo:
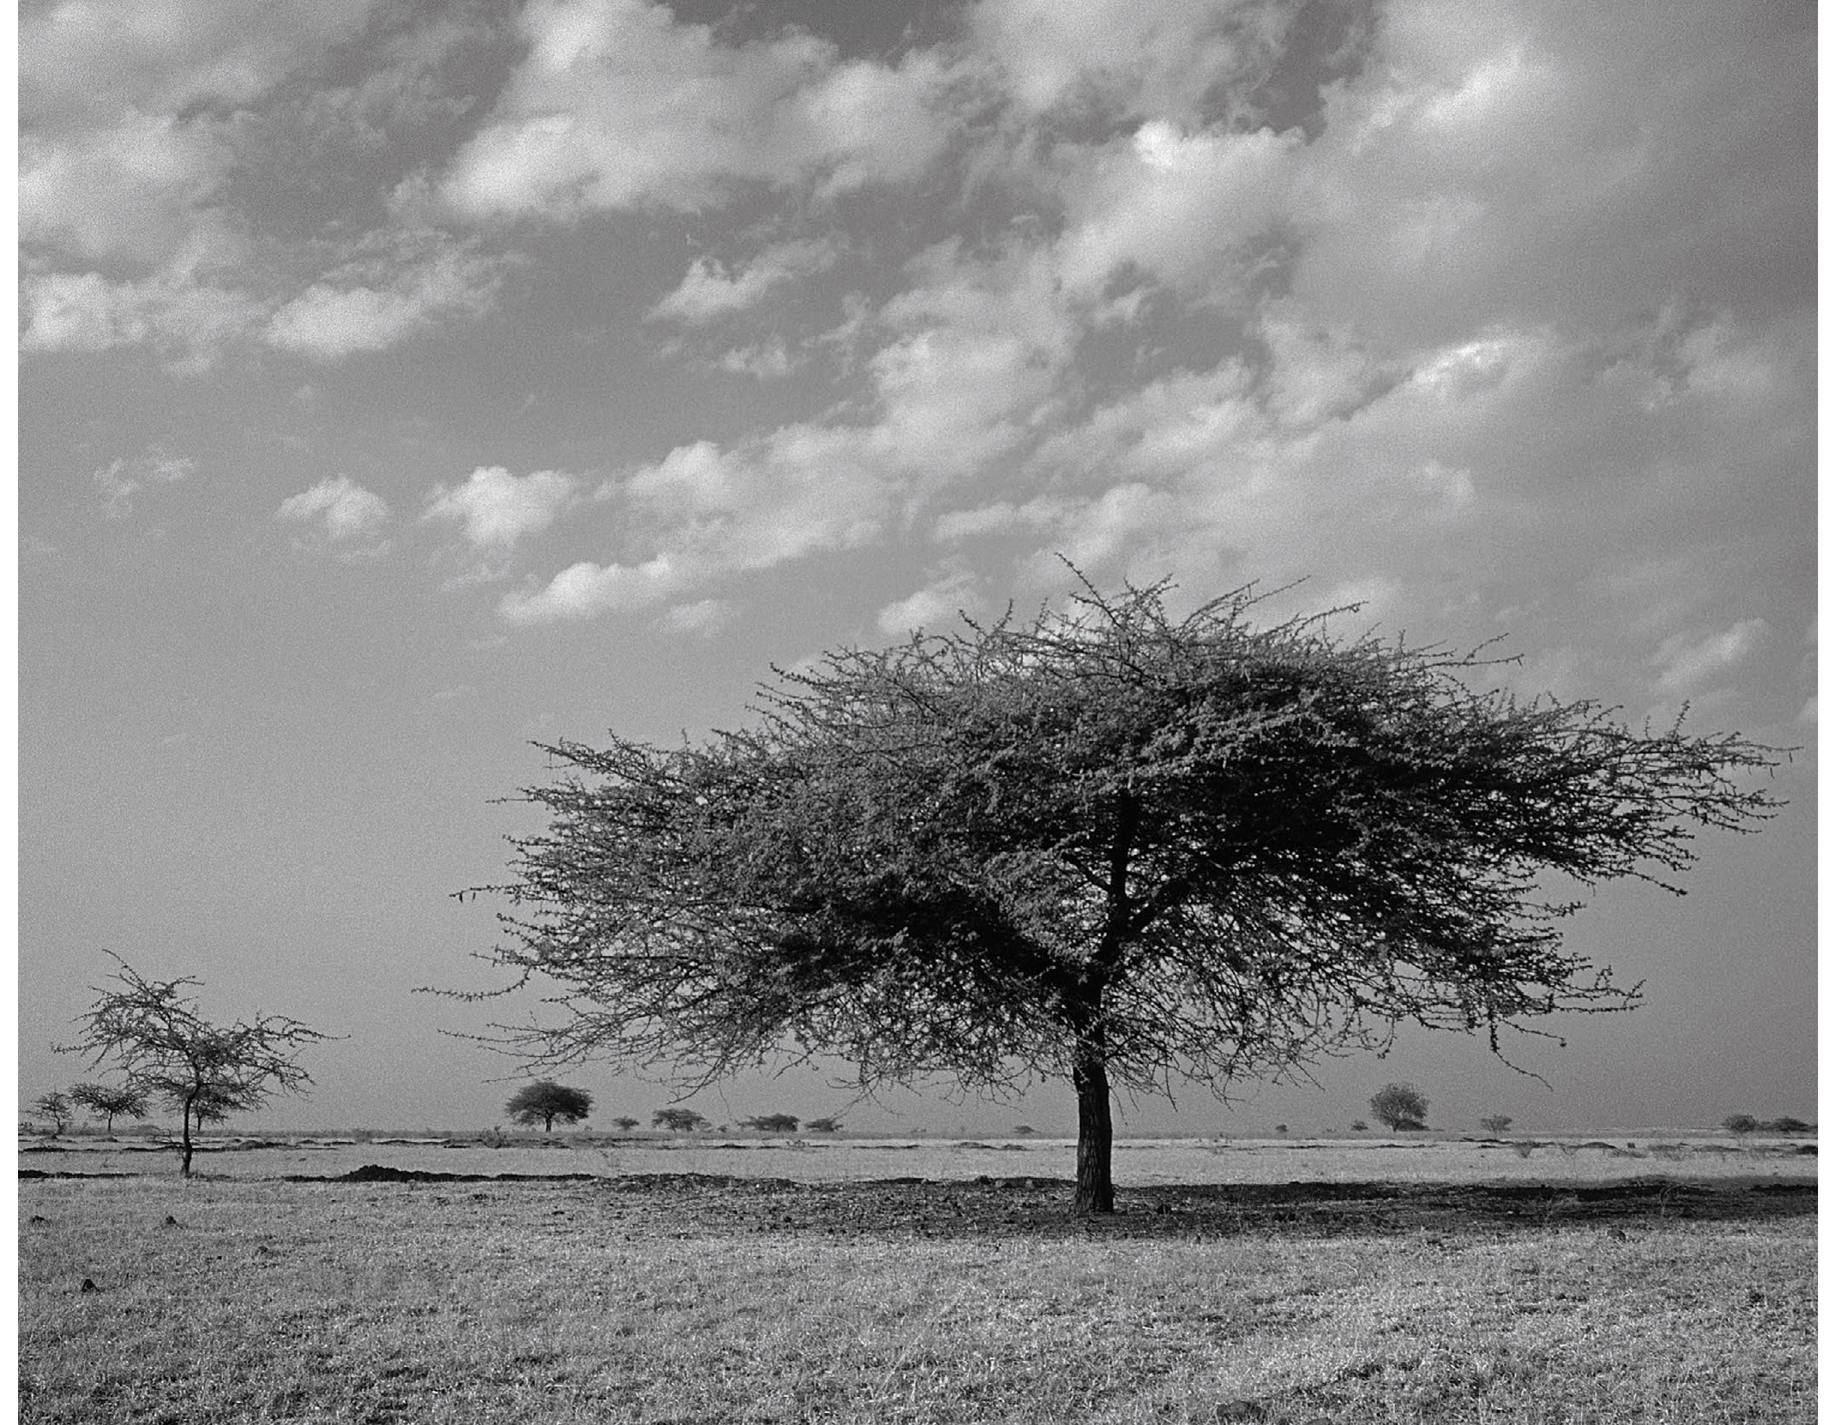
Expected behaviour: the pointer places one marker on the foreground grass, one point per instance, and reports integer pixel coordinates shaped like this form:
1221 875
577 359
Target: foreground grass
709 1301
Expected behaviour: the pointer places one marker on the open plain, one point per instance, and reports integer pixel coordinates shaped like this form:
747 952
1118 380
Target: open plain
1668 1278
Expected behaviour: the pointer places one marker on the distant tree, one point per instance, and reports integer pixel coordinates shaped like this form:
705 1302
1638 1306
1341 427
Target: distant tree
1025 1130
1360 1126
678 1120
1496 1124
153 1033
55 1108
1281 1128
544 1101
824 1125
212 1106
624 1125
1785 1126
1400 1108
1740 1123
1109 846
771 1123
110 1101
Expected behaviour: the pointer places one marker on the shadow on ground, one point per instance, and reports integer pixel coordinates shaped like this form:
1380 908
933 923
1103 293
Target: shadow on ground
1040 1207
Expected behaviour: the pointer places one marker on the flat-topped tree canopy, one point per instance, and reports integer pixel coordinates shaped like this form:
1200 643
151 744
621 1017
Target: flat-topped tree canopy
1109 845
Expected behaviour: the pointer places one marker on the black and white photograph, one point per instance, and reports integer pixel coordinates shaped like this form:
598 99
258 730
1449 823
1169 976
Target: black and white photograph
1045 712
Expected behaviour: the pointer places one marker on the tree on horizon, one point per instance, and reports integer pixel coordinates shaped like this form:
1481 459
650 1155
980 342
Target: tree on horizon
165 1048
1107 847
545 1101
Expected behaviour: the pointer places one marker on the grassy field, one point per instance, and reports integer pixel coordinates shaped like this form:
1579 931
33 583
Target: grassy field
653 1298
1138 1161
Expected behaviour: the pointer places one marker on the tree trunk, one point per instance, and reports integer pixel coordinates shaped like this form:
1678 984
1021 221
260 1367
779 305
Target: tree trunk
1095 1188
185 1141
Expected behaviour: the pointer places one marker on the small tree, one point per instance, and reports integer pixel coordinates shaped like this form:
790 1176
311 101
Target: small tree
1360 1126
824 1125
1740 1123
545 1101
55 1108
1496 1124
110 1101
624 1125
152 1031
1111 847
1400 1108
771 1123
678 1120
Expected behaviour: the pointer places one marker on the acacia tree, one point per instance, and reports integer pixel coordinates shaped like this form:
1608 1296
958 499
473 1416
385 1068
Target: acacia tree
1400 1107
110 1101
678 1120
545 1101
151 1030
55 1107
1108 846
771 1123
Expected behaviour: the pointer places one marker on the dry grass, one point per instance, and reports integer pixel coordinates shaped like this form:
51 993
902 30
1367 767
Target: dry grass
723 1301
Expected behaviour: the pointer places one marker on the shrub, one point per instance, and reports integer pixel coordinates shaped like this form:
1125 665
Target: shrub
771 1123
824 1125
1496 1124
1786 1126
1740 1123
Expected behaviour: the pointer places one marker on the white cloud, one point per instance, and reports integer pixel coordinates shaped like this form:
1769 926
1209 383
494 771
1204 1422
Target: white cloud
934 608
1122 56
129 110
331 320
121 480
188 324
709 292
495 509
586 590
1688 663
347 513
703 618
619 106
1185 207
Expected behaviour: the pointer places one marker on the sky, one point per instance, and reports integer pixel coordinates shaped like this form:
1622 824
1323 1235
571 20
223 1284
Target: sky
404 384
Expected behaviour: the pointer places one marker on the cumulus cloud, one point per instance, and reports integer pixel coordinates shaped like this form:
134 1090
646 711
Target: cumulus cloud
1687 663
494 509
703 618
121 480
586 590
345 514
937 605
1186 208
148 213
709 292
346 313
618 105
1122 57
187 323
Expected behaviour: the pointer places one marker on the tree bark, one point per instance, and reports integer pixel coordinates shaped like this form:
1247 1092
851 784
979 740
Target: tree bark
1095 1132
185 1141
